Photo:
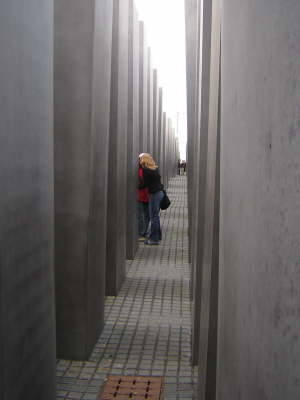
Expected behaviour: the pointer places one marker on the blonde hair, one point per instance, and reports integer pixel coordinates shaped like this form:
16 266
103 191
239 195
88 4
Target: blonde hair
147 161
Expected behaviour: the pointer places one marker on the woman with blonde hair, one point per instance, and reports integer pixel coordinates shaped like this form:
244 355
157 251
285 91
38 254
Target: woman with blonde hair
151 181
143 206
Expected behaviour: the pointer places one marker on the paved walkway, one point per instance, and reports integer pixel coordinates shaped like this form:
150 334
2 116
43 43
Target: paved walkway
148 326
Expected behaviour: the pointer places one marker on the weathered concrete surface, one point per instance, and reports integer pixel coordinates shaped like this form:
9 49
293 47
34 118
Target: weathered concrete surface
163 146
167 155
27 337
165 151
191 19
212 345
200 162
133 133
117 169
82 93
175 153
210 265
160 125
149 104
166 163
260 240
143 86
155 115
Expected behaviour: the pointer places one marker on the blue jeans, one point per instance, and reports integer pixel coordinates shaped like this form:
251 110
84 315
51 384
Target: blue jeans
154 209
143 218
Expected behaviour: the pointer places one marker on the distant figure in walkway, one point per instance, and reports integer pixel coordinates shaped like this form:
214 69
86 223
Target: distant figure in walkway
179 167
183 165
143 205
153 183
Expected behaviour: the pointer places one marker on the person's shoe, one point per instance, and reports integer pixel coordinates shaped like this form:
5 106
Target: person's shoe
151 243
141 239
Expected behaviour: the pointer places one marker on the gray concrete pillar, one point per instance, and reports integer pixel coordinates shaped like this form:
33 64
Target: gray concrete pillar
176 154
210 265
82 95
191 18
155 115
168 161
133 132
170 164
149 104
173 154
163 148
166 172
117 167
27 344
164 175
143 58
200 162
213 324
166 179
259 344
159 125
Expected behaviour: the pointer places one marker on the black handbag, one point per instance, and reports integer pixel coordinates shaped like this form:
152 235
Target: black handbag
165 203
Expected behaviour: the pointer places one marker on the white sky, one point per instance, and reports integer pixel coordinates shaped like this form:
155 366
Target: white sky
165 34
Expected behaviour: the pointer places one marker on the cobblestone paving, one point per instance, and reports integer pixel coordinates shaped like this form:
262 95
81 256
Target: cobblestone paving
148 326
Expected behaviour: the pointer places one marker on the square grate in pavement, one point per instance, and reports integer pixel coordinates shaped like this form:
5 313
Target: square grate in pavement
119 387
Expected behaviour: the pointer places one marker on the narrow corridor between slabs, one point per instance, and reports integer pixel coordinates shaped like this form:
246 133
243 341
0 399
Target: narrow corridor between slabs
148 325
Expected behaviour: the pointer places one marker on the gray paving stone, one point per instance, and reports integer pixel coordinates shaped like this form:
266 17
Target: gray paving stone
148 325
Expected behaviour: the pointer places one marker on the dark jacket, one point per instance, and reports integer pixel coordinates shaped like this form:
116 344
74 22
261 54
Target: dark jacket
151 180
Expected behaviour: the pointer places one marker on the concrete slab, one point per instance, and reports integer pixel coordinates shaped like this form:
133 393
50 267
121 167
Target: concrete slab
117 168
200 163
168 140
149 103
143 90
163 147
155 114
191 19
210 265
160 125
82 93
27 315
133 133
259 348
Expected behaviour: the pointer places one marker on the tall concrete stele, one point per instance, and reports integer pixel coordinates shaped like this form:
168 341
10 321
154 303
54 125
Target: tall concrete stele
82 60
117 160
149 141
143 88
159 125
133 131
243 152
27 315
155 115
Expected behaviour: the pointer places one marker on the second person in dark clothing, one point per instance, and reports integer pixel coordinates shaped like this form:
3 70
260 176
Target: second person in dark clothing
152 181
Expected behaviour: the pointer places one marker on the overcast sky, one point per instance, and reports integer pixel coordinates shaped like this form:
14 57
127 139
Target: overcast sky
165 30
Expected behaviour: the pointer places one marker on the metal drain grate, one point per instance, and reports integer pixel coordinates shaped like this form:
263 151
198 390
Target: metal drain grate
132 387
